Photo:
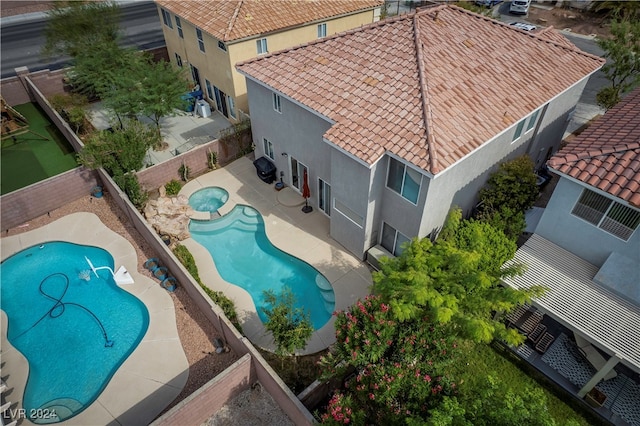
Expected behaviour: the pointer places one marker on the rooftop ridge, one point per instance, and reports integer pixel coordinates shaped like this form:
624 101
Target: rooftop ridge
424 89
575 157
232 21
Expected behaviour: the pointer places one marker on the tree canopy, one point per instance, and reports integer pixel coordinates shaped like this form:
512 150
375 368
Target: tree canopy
622 51
456 280
75 27
290 326
400 369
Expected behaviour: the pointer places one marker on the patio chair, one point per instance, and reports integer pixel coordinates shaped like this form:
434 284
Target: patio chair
545 341
529 325
537 333
514 316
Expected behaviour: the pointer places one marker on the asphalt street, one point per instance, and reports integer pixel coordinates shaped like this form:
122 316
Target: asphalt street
22 36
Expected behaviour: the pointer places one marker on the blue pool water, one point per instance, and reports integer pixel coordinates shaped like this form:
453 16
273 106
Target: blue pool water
208 199
74 328
245 257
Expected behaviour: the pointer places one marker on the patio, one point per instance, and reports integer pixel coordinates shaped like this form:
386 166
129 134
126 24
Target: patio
563 363
305 236
181 132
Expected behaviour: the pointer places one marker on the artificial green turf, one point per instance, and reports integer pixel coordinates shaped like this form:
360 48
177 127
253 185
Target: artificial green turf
35 155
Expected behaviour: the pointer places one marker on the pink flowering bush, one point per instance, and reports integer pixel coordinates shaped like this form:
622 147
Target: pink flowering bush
400 366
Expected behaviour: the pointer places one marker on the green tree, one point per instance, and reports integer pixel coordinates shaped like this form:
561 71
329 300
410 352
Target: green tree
513 185
455 281
160 88
74 27
290 326
622 51
618 9
509 192
98 72
122 149
400 369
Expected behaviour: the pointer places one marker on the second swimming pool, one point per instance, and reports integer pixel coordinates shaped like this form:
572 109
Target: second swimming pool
75 328
244 256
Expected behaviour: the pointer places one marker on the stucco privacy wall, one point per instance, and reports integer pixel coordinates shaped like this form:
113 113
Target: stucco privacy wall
22 205
211 397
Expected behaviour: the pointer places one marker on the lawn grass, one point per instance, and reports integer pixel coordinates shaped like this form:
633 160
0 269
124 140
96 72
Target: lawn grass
480 361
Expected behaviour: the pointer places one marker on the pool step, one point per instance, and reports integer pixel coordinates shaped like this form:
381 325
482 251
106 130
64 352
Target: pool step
329 296
329 306
323 283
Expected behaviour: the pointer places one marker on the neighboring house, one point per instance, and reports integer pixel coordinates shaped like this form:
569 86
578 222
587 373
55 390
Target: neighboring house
210 37
586 247
398 121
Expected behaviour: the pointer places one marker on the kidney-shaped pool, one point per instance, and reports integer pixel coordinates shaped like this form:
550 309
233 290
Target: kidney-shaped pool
244 256
74 328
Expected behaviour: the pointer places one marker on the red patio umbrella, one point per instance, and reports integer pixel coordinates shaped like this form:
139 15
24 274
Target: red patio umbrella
306 192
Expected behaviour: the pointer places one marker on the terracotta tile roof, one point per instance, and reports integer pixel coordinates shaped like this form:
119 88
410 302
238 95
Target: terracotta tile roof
606 155
550 34
229 20
461 76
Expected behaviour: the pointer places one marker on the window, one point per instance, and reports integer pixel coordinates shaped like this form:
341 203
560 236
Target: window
166 18
324 196
404 180
261 46
200 39
179 26
207 83
277 104
178 60
532 120
222 46
518 132
392 240
607 214
268 148
232 107
348 213
322 30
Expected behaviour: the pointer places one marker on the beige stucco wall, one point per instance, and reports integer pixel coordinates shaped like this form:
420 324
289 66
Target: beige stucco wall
217 66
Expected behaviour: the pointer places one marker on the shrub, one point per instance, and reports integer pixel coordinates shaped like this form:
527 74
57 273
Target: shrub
228 307
509 192
173 187
184 172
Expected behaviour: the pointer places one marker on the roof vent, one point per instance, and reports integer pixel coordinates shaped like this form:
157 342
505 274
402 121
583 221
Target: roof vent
321 60
248 17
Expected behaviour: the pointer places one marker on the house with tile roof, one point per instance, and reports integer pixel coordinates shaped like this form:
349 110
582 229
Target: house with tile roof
398 121
586 247
209 37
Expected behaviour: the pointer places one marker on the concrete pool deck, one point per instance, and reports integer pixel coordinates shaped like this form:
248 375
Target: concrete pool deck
305 236
157 370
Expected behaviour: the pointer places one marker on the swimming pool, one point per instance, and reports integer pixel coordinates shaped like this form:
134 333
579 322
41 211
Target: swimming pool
78 328
208 199
244 256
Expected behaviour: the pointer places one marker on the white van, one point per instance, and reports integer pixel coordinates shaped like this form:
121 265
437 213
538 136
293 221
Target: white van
520 6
